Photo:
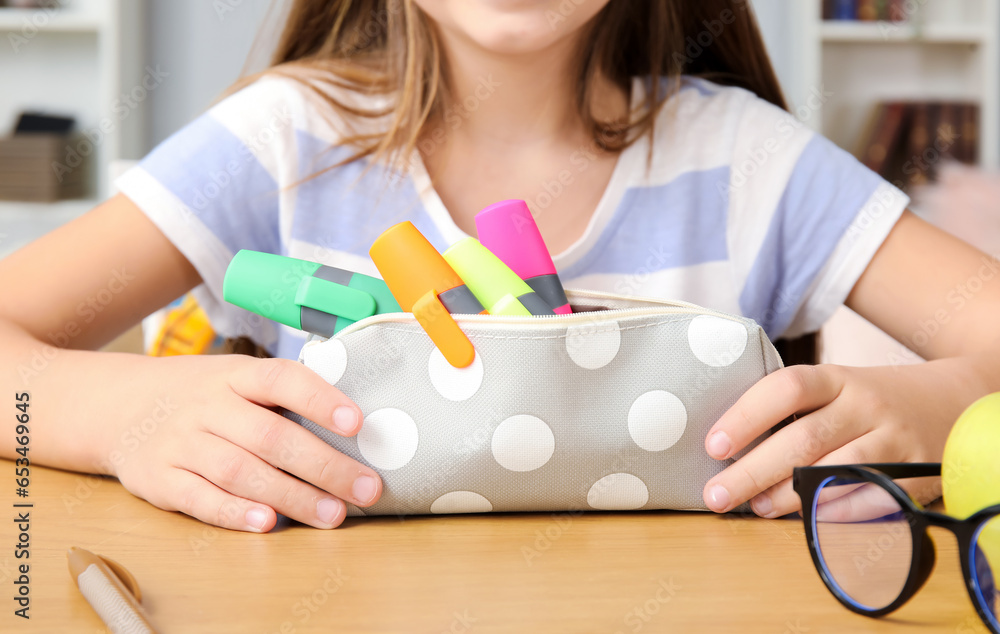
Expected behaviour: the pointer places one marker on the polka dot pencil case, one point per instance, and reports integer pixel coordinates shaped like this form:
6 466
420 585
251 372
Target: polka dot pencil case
606 408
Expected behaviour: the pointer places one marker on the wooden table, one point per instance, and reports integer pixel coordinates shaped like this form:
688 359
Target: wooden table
594 572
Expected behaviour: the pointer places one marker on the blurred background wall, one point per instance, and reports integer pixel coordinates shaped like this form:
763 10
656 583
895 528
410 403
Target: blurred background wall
206 45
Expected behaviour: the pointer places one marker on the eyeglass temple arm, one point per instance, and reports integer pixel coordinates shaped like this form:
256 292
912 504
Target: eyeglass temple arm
908 470
893 470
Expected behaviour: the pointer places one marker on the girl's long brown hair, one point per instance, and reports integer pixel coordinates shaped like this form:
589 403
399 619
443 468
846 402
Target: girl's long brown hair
387 48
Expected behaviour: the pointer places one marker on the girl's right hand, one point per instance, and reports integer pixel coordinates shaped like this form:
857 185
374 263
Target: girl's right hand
216 450
193 434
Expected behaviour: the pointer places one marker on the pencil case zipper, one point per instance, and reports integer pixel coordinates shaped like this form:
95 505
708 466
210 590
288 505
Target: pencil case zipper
658 307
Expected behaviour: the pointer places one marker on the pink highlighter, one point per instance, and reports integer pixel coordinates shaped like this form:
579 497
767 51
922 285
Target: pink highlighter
508 230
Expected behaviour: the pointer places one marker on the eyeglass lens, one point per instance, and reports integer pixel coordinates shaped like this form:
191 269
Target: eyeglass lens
864 540
985 562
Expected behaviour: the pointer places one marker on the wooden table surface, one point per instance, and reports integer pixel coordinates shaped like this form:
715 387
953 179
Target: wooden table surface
592 572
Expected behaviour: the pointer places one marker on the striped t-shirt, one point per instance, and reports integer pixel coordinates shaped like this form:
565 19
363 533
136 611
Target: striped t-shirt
743 209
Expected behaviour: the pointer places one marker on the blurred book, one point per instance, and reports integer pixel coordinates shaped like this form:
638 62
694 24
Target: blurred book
907 142
44 161
30 4
865 10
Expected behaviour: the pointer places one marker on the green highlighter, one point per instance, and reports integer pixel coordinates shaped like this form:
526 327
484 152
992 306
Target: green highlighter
494 284
306 295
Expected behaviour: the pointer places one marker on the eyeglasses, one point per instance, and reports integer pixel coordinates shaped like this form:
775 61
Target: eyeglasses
869 541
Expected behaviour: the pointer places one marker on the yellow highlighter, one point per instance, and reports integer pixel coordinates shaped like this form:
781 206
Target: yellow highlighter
494 284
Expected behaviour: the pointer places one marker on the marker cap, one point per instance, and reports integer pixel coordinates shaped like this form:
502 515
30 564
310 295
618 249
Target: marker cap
508 229
420 279
410 265
489 279
278 287
266 284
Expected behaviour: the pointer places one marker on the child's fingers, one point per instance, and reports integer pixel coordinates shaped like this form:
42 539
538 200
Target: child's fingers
774 398
243 474
193 495
781 499
285 383
292 448
800 443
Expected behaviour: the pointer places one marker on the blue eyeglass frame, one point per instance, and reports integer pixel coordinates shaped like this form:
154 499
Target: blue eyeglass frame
808 481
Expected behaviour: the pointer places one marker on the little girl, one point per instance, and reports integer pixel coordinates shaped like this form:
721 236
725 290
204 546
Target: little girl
648 137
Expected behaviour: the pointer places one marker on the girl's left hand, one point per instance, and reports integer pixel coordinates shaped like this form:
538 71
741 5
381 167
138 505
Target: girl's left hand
847 415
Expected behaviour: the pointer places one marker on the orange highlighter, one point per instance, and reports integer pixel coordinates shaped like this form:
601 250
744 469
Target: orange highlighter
425 285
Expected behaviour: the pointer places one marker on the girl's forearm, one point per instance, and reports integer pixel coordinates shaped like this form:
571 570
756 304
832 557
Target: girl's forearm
72 396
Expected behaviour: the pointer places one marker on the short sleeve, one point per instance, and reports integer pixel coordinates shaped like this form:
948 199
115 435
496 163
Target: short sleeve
214 188
805 219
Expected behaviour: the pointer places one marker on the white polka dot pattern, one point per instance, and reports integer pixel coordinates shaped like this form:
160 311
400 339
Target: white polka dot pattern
327 358
523 443
455 384
388 438
461 502
656 420
593 346
618 492
716 341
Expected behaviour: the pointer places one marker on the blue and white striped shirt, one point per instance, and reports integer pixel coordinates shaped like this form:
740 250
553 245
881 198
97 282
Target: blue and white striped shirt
743 209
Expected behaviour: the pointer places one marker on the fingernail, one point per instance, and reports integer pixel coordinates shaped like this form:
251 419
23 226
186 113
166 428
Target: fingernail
345 419
327 510
256 518
719 445
364 489
762 505
718 498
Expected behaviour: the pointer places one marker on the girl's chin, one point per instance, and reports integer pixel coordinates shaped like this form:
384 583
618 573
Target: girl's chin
512 26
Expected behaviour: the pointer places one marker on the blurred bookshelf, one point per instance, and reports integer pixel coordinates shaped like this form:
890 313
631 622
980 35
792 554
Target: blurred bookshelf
881 78
81 59
943 55
64 20
869 32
